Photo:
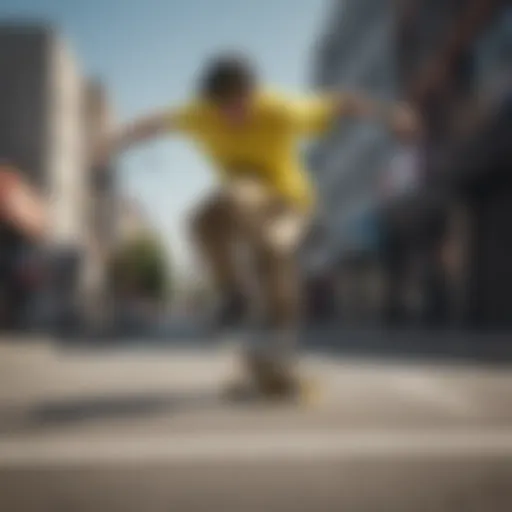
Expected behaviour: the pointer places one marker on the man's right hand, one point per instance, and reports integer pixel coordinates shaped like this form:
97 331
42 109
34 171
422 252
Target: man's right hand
402 119
406 122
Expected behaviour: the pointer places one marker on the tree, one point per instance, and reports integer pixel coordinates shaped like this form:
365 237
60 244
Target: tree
140 268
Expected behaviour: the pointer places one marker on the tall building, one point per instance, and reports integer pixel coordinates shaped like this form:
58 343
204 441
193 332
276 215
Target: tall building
102 189
455 62
41 128
355 52
99 124
48 115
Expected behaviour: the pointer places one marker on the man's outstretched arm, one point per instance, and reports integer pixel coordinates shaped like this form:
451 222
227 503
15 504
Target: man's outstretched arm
400 118
315 114
138 131
146 128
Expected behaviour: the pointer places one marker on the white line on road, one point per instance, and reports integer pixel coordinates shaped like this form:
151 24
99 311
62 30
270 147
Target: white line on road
431 390
257 447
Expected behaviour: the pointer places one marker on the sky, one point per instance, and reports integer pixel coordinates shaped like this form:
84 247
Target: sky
148 54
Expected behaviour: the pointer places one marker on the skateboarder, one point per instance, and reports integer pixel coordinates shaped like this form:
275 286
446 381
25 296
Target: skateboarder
265 200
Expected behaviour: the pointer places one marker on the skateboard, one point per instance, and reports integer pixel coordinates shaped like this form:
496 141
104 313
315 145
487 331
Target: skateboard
307 393
267 379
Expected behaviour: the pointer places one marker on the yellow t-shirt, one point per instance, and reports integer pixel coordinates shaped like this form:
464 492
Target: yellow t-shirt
267 145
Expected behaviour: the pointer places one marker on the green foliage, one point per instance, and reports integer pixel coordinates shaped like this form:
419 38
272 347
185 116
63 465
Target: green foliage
140 267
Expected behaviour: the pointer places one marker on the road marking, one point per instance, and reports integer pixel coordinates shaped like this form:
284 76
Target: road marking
431 390
256 447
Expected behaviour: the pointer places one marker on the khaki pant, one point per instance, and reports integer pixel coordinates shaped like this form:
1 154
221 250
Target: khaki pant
245 214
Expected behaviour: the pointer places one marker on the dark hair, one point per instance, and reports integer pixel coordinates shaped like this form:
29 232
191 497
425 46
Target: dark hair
226 76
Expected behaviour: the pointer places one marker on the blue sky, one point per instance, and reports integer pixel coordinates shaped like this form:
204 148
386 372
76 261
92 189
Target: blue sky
148 52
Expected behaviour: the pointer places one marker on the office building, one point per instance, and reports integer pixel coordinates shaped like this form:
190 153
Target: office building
48 113
455 62
101 179
102 197
41 126
354 52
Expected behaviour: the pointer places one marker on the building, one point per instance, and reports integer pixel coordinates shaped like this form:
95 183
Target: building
41 128
355 52
48 115
102 194
101 182
99 119
455 63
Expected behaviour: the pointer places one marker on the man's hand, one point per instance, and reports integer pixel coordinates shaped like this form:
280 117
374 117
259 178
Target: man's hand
406 123
402 119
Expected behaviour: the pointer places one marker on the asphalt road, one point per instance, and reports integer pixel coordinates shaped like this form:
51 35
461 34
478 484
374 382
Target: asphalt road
145 430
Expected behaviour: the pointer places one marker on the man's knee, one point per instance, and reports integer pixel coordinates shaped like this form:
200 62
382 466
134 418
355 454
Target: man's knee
210 217
285 234
245 196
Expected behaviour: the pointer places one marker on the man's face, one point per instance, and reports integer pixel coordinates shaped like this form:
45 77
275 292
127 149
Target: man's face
236 109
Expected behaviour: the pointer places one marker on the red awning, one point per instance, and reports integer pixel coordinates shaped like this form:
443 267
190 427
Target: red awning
21 205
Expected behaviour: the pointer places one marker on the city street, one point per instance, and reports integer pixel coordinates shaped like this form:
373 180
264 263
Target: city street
339 174
142 427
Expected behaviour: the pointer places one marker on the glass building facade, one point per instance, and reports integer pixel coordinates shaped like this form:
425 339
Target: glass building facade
356 52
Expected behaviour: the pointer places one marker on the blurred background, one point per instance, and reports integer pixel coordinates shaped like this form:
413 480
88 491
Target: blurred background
412 233
405 236
410 254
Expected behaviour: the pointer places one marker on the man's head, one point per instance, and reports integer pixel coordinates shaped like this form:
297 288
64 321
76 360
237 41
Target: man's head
229 82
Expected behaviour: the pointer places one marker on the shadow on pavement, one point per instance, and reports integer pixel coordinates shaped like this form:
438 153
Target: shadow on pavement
61 414
432 346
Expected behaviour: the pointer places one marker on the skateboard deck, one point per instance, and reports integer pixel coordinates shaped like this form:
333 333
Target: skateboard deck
307 393
268 375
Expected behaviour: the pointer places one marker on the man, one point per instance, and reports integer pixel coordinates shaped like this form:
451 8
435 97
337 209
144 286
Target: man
265 200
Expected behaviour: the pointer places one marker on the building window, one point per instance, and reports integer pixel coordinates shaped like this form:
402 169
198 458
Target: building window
493 50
